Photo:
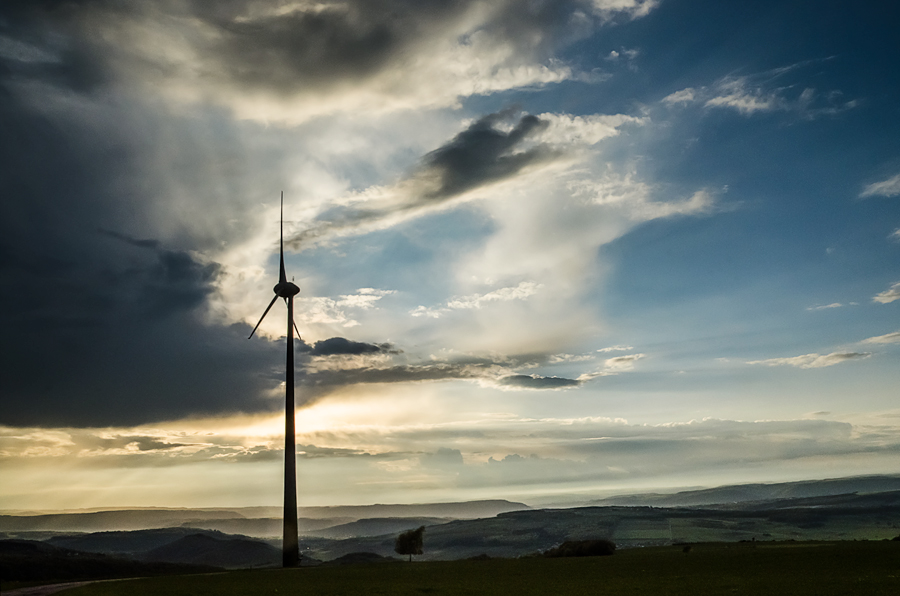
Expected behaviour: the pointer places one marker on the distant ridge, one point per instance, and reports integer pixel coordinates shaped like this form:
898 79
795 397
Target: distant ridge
378 526
229 552
98 521
257 521
456 510
746 493
124 542
846 516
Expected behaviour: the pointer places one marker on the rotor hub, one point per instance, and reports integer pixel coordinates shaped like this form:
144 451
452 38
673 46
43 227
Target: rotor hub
286 289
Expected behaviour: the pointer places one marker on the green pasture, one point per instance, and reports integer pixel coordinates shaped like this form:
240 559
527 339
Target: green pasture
871 568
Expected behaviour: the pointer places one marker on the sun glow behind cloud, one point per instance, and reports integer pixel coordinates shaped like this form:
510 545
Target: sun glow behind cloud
359 451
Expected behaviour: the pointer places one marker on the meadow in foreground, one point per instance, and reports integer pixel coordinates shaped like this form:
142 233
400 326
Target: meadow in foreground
871 568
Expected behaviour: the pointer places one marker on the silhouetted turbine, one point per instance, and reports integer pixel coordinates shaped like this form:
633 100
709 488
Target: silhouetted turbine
290 556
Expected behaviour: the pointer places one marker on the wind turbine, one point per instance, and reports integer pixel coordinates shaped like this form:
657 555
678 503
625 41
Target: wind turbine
290 555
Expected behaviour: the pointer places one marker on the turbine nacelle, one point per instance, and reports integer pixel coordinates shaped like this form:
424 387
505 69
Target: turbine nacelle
285 289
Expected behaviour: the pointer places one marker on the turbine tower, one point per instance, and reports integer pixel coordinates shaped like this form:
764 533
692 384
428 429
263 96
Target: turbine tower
290 556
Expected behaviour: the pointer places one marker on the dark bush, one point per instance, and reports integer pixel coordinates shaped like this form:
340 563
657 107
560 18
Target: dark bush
583 548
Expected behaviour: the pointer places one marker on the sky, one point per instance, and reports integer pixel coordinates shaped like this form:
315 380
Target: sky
547 251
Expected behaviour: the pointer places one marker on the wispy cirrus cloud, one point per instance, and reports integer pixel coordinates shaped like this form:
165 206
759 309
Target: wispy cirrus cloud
889 295
884 188
763 93
888 338
739 94
522 291
636 199
326 311
813 360
615 349
622 363
684 96
827 306
613 366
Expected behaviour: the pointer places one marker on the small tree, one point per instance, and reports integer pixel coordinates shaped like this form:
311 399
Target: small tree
410 542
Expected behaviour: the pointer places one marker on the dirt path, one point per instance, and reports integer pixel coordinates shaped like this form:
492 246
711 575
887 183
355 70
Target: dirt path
43 590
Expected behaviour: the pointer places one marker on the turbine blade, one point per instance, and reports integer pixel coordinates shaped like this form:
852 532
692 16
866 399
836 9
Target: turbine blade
282 277
295 329
264 315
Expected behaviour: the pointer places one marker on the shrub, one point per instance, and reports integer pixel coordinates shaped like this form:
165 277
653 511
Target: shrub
583 548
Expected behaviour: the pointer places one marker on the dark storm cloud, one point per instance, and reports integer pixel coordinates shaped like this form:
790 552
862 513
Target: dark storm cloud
130 240
290 51
321 382
483 154
101 328
268 47
42 41
340 345
141 443
286 51
174 282
537 382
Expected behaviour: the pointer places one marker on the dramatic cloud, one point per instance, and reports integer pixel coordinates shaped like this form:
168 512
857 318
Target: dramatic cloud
885 188
485 153
141 329
814 360
484 201
275 61
889 295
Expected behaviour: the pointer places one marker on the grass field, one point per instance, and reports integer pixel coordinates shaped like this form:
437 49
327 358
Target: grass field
802 568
